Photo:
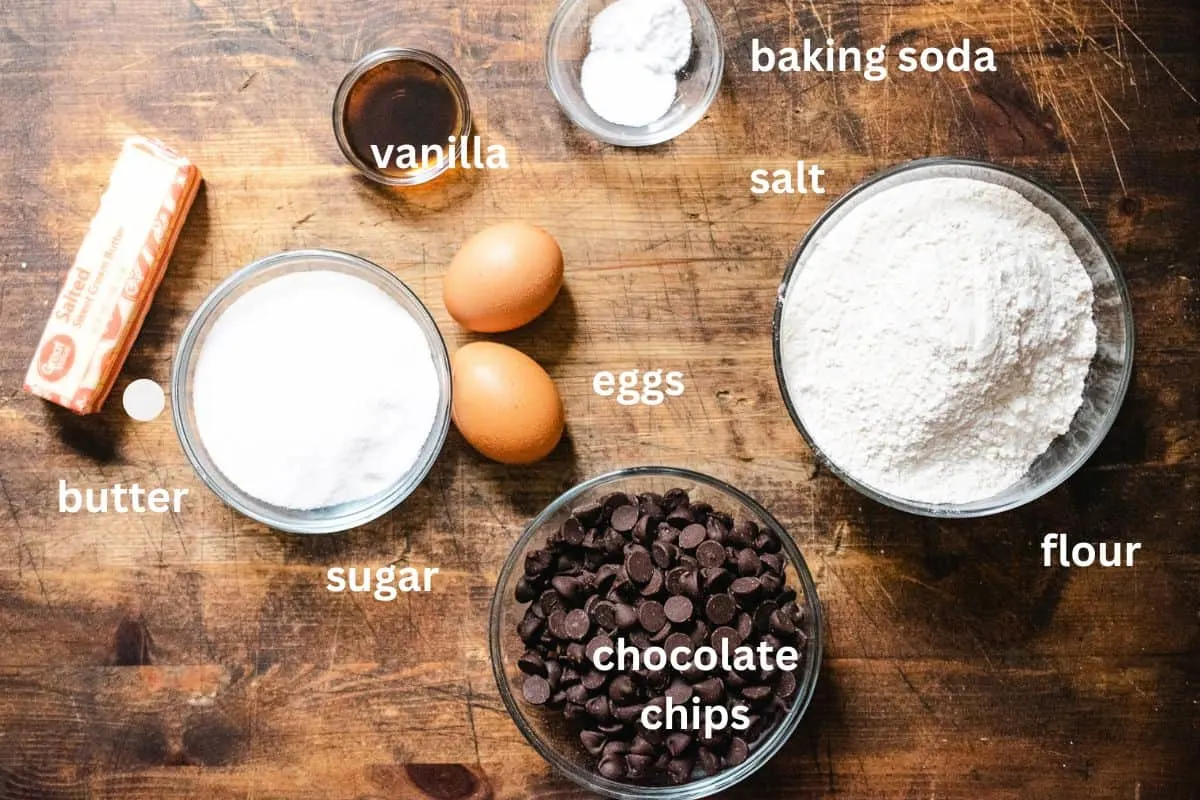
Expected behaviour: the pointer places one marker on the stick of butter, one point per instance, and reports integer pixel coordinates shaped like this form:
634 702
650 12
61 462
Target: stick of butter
117 270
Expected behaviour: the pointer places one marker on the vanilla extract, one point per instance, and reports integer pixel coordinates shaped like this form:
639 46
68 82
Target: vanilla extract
402 117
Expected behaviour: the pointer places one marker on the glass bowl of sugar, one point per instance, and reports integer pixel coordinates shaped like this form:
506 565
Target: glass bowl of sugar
634 73
311 391
953 339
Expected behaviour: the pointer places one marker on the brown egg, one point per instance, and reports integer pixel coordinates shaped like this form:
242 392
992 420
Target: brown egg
503 277
505 405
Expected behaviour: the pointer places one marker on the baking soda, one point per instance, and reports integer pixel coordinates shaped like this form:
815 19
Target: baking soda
937 339
315 389
637 46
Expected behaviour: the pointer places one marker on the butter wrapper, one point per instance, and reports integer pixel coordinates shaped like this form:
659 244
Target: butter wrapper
116 272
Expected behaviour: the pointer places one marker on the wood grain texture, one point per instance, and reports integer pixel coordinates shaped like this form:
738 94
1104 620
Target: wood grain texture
199 656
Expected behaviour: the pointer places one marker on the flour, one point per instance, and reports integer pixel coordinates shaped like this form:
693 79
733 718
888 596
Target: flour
937 339
315 389
637 47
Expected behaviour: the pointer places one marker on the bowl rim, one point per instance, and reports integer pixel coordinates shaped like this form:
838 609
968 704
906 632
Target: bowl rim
360 512
978 508
623 135
365 65
763 752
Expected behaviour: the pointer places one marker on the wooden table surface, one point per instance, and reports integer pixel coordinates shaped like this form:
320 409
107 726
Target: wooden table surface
199 655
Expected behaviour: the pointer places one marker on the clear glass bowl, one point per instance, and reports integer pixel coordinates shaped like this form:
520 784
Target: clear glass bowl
568 43
365 65
546 730
321 520
1111 368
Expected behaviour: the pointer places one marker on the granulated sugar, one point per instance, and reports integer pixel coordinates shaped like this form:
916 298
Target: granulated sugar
937 339
315 389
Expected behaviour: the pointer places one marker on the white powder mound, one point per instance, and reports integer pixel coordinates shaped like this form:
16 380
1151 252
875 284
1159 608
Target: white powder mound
938 338
315 389
656 32
625 91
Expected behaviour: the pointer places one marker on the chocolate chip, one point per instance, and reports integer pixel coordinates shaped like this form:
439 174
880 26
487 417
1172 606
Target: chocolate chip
529 628
598 707
627 616
537 562
605 614
744 626
710 690
638 565
612 766
624 518
588 514
532 664
725 634
678 609
621 689
720 609
717 579
771 582
683 580
638 765
678 742
612 542
757 695
762 616
699 634
628 714
677 641
550 601
577 625
710 554
536 690
745 588
692 535
595 644
567 586
664 554
707 761
573 531
525 590
747 562
786 684
654 585
675 498
575 653
744 532
782 624
773 562
717 528
652 615
679 770
593 680
640 746
680 518
611 503
593 741
738 752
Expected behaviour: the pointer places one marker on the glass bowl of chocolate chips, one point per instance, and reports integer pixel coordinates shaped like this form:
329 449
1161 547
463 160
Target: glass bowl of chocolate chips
655 633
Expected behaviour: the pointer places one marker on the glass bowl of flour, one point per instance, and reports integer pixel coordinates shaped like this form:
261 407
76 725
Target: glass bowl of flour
634 73
311 391
952 339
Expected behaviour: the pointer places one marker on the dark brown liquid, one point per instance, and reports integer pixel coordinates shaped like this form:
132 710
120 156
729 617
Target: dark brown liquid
401 102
